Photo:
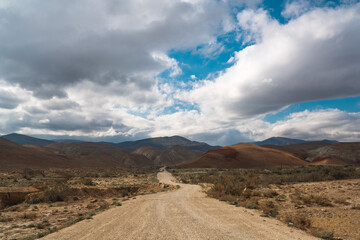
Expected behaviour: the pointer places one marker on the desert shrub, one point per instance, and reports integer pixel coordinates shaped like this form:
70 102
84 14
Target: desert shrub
273 213
30 216
319 199
58 193
325 235
299 220
322 200
124 193
356 206
103 207
270 193
341 200
251 206
40 226
87 182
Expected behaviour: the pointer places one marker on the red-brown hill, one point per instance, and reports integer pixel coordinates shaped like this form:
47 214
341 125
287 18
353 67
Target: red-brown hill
300 150
347 153
171 156
14 156
90 154
243 155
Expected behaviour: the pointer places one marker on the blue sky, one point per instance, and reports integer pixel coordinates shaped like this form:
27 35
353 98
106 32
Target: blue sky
216 71
194 63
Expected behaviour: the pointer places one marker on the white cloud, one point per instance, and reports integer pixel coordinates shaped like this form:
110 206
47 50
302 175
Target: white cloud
317 125
44 120
170 63
296 8
99 80
312 57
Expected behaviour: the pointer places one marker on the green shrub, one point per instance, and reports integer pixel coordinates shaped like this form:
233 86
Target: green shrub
325 235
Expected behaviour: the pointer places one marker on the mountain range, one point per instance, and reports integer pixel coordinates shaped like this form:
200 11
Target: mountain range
26 140
158 142
282 141
21 151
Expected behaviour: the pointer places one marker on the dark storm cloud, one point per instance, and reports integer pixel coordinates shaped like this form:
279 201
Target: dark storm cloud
46 46
60 104
9 100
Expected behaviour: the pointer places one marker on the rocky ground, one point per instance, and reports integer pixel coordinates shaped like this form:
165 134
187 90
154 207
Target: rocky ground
326 209
36 203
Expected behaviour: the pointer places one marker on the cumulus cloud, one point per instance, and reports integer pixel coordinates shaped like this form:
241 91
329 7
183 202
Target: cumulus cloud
317 125
11 95
312 57
49 46
91 69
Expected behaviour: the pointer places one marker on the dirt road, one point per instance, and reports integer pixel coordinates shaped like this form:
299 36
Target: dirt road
183 214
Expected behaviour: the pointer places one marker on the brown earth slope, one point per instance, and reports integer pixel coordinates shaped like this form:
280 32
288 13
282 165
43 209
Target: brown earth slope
243 155
99 155
14 156
348 153
168 157
300 150
321 153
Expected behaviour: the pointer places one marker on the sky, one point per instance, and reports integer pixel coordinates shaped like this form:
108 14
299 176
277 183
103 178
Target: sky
219 71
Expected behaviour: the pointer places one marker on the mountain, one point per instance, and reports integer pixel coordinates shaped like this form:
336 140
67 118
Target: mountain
346 153
281 141
14 156
26 140
243 155
300 150
166 142
67 141
324 152
169 156
90 154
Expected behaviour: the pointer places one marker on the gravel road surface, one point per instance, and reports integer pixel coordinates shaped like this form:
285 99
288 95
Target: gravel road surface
186 213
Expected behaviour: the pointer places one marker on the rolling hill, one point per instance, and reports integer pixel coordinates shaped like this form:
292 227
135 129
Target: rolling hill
14 156
99 155
282 141
346 153
26 140
170 156
324 153
166 142
243 155
300 150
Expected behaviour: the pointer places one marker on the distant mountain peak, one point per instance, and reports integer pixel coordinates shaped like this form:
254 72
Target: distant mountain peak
26 140
166 142
283 141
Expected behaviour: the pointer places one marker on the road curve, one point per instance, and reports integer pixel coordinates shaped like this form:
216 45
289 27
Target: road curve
183 214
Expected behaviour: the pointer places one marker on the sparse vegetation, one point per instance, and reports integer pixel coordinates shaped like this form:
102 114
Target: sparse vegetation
67 196
277 192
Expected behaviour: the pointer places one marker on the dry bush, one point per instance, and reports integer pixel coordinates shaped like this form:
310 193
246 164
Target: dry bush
57 193
322 200
341 200
30 216
356 206
319 199
299 220
270 193
87 181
